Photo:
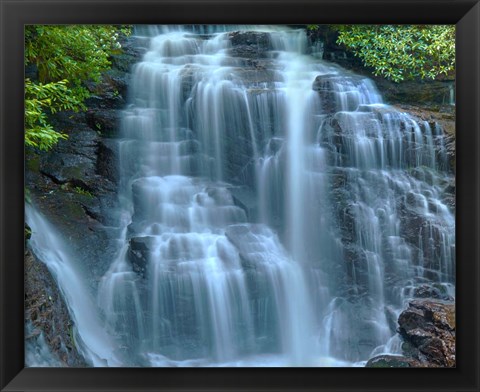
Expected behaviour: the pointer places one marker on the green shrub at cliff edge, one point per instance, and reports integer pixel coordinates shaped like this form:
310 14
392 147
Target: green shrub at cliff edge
64 56
401 52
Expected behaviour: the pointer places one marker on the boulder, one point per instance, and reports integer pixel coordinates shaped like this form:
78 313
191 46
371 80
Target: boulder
139 253
323 84
428 326
392 361
250 44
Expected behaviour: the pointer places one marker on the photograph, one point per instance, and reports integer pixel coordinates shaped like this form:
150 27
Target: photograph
208 195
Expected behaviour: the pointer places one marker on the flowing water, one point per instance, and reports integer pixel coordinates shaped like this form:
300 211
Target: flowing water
274 212
92 341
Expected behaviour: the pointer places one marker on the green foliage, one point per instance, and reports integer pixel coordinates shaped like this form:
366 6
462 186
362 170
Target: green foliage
69 187
82 191
65 56
41 99
71 334
27 232
402 52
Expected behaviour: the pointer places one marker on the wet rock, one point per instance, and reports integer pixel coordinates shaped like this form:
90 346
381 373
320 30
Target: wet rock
441 119
429 327
188 74
431 93
337 92
426 232
104 121
132 50
331 51
244 198
107 160
357 338
391 316
238 152
242 236
249 44
432 291
254 76
139 253
392 361
323 84
73 186
449 193
46 310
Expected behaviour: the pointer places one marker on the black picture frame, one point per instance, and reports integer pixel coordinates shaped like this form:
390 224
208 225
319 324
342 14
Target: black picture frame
16 13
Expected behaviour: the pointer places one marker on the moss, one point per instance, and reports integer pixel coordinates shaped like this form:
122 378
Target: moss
32 162
27 232
71 335
82 191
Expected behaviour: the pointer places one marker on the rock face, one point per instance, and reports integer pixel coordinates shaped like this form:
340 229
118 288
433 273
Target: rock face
436 115
432 99
331 51
250 44
431 291
74 185
75 182
428 328
47 312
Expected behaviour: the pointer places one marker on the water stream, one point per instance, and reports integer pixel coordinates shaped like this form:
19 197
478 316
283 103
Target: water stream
273 211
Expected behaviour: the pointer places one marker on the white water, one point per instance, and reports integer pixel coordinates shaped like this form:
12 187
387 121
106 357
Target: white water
37 351
92 341
262 223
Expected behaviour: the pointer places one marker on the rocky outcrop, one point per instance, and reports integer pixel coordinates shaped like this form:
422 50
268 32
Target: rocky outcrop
47 312
323 84
428 328
393 361
250 44
432 291
427 93
331 51
67 186
74 185
250 55
437 116
75 182
433 94
428 100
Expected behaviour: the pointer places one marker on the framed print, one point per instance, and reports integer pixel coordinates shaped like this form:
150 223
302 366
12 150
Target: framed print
240 195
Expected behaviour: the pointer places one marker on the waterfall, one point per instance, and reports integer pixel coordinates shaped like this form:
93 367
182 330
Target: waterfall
91 340
273 210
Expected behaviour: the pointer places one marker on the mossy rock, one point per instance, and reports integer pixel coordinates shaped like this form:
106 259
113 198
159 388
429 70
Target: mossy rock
392 361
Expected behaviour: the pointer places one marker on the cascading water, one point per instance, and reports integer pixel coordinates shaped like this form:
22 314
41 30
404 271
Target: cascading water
92 341
274 211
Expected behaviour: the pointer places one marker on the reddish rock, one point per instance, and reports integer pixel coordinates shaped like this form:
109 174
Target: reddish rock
393 361
428 326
